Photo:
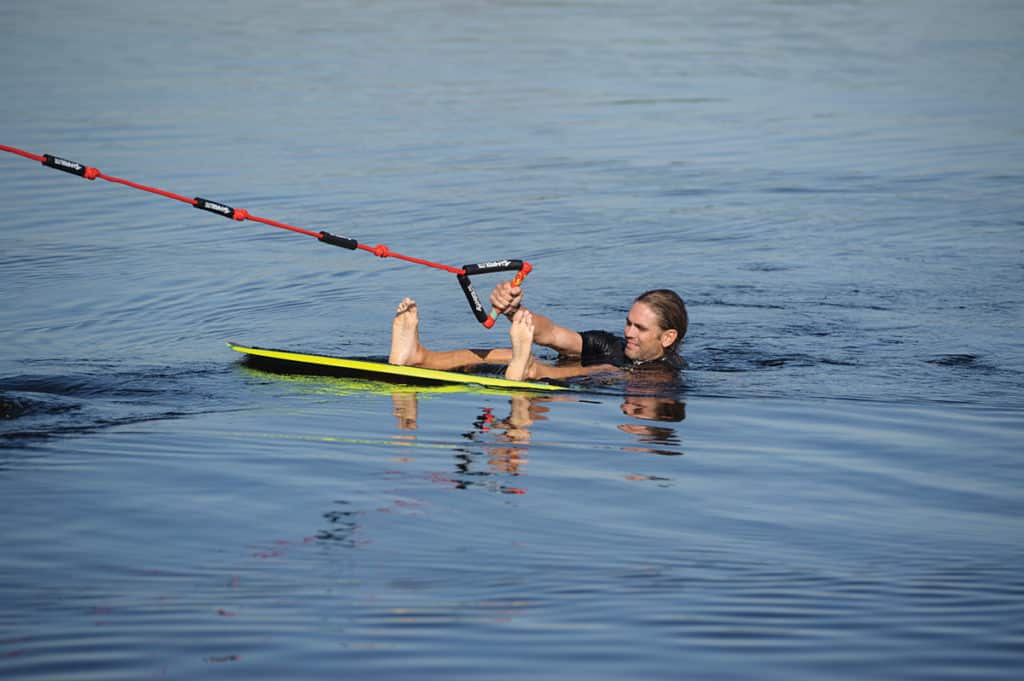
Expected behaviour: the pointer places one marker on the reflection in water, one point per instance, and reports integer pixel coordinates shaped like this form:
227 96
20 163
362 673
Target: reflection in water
512 433
652 435
653 409
504 442
405 407
496 455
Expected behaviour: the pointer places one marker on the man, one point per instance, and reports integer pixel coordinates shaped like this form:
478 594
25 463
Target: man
655 327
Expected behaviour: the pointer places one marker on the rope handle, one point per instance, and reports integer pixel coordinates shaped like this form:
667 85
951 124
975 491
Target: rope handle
487 319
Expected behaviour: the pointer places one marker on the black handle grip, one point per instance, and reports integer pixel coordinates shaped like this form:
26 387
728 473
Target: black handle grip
494 266
73 167
214 207
473 298
335 240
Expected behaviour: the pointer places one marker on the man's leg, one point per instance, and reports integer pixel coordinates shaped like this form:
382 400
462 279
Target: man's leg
406 349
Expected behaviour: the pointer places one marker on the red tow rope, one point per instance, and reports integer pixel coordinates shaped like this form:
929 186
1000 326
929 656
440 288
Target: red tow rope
463 273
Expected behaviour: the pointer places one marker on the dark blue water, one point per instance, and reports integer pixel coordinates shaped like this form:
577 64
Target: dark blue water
834 490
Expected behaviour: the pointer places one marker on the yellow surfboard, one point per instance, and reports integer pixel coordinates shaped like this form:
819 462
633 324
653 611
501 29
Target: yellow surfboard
305 363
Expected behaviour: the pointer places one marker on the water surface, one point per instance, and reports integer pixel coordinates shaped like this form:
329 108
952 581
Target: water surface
833 490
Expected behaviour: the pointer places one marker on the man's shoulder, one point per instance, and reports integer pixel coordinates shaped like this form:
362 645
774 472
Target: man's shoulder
603 347
601 339
602 336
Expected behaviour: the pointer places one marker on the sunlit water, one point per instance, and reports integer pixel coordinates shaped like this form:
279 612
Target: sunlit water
833 492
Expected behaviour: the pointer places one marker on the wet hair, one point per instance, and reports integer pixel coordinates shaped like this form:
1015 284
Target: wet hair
671 312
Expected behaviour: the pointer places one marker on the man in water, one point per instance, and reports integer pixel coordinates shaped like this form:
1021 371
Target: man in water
655 327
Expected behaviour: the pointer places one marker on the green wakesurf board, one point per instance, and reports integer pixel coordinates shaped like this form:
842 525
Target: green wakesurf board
297 362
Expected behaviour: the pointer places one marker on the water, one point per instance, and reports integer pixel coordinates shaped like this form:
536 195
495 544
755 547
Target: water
835 188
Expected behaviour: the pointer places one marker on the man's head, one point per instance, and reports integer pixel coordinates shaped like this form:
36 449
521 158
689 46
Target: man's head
655 325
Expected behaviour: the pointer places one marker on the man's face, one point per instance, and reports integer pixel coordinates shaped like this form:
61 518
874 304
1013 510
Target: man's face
645 340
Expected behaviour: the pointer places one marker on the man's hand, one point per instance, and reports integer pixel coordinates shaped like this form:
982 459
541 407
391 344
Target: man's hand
506 298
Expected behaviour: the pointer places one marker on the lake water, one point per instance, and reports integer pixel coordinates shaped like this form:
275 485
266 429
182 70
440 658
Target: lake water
836 490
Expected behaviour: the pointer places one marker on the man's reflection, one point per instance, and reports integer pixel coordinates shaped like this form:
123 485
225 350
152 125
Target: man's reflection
509 438
654 408
653 439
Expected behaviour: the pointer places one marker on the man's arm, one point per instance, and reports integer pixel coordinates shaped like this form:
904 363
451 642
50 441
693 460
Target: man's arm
507 299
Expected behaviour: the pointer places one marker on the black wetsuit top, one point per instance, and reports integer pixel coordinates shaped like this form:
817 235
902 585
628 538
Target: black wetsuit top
601 347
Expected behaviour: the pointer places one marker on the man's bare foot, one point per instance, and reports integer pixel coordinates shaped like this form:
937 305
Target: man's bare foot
405 339
521 333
